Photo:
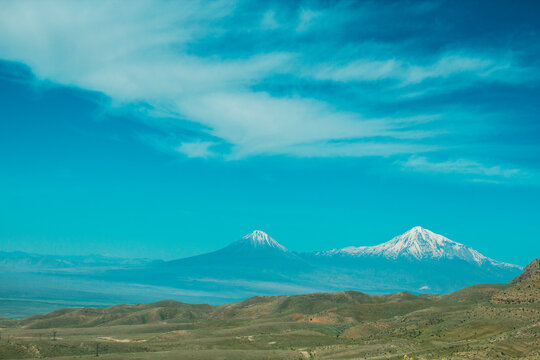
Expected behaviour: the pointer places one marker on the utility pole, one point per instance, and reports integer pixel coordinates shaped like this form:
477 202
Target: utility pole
97 349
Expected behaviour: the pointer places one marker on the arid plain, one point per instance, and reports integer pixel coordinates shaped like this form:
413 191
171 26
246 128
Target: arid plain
489 321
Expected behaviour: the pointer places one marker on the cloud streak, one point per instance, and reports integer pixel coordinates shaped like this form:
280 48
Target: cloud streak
404 74
257 82
140 57
474 170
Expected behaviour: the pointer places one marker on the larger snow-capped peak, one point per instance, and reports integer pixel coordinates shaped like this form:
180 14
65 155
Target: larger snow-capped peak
419 243
260 239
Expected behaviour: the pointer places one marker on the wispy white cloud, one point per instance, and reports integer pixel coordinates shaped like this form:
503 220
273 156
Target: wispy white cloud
145 53
356 149
257 123
139 54
197 149
476 171
358 70
407 73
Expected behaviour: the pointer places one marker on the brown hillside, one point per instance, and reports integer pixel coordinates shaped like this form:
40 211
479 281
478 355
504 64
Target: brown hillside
530 270
525 288
487 321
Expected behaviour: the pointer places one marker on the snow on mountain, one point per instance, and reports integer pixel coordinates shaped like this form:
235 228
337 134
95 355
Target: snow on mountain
420 244
259 239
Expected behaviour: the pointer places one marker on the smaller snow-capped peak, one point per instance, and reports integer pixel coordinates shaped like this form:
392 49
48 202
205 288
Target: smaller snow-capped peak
419 243
260 239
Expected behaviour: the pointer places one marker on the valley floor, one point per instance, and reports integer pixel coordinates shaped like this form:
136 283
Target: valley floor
479 322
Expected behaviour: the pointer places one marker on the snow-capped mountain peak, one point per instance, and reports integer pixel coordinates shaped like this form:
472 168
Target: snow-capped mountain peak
260 239
419 244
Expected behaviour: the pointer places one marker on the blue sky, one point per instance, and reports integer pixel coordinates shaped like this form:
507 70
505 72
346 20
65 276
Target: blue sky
172 128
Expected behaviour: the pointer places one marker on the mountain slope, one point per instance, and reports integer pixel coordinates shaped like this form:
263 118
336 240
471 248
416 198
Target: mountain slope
255 264
489 321
418 261
530 270
420 244
525 289
256 249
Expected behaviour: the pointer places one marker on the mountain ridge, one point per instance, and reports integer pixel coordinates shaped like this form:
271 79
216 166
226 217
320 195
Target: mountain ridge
419 244
255 264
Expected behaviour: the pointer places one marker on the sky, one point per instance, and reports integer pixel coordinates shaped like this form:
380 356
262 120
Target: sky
172 128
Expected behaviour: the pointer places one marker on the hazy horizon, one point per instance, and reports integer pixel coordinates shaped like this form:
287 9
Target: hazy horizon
231 242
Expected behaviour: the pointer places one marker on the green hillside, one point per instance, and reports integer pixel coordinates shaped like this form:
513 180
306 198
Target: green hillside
493 321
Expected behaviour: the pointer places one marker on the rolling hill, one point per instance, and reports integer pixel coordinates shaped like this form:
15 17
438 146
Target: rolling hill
488 321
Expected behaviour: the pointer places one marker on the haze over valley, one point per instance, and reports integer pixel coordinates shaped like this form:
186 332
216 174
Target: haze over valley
417 261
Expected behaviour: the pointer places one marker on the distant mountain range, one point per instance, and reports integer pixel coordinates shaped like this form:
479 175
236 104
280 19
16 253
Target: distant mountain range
22 261
417 261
